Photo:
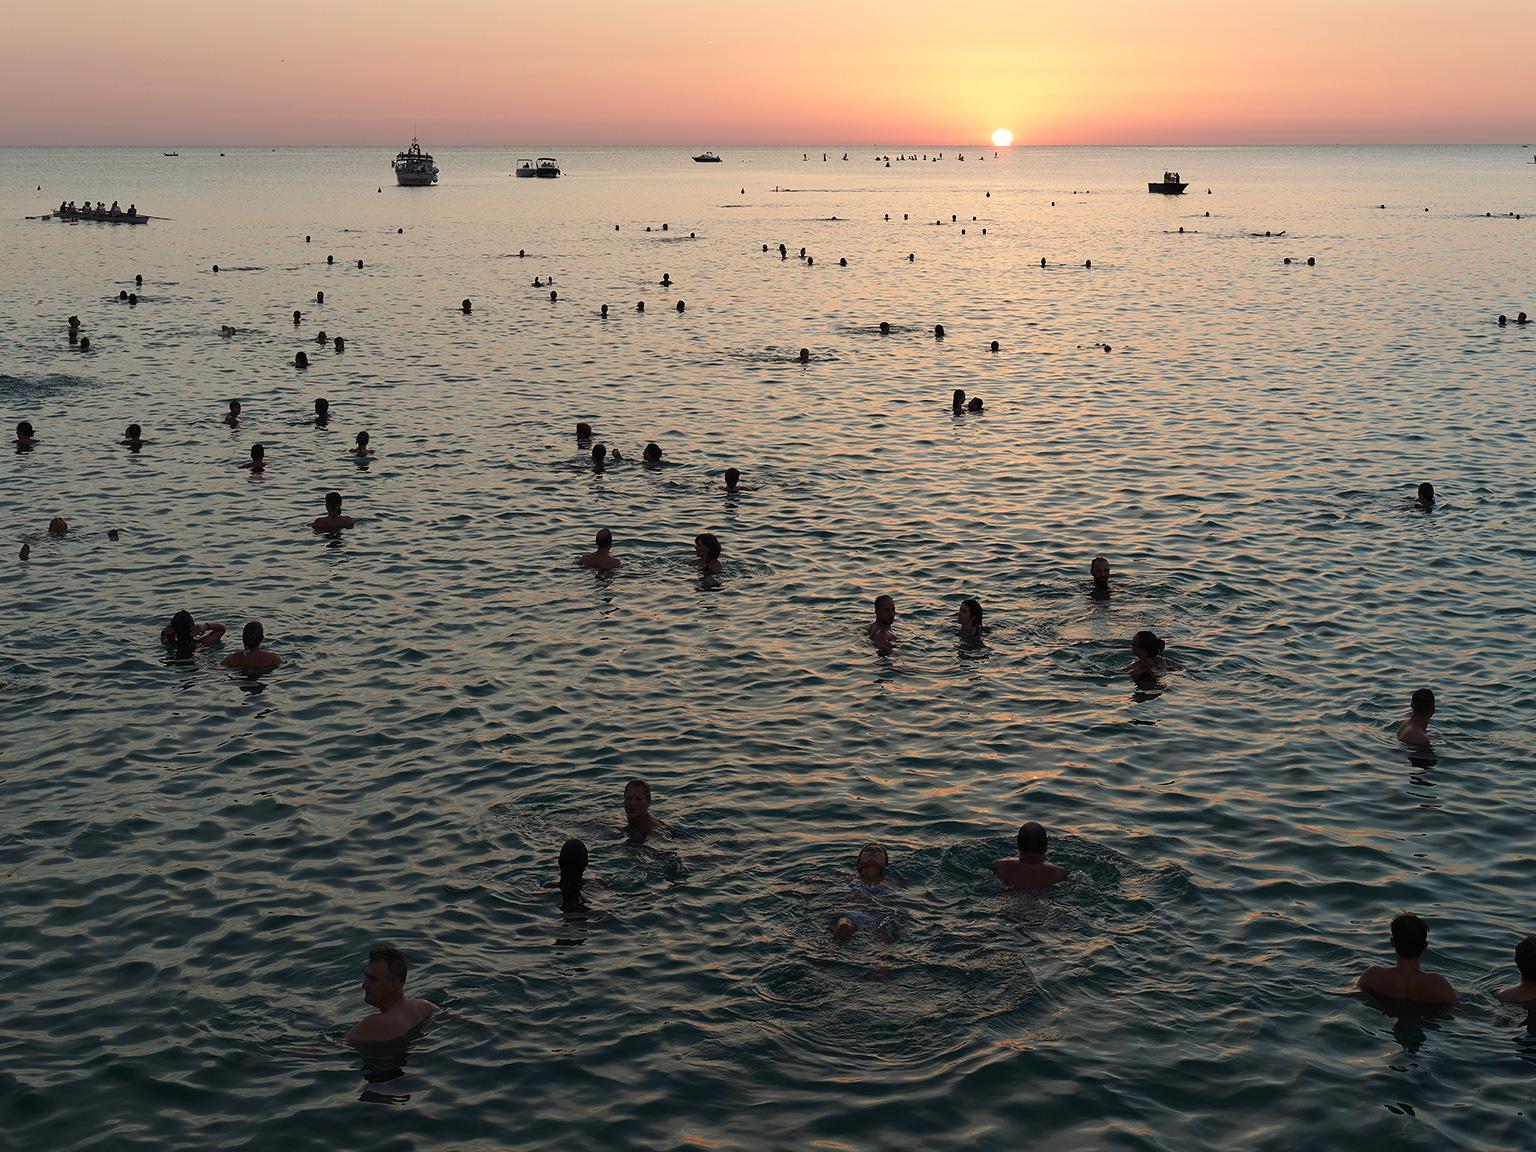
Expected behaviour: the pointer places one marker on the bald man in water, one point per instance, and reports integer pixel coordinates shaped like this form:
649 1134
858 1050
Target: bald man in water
1031 870
601 559
384 988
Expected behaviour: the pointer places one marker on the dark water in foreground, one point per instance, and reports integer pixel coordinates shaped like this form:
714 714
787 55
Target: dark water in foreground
193 863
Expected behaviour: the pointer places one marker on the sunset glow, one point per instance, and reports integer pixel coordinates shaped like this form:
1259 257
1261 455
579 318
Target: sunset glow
1002 138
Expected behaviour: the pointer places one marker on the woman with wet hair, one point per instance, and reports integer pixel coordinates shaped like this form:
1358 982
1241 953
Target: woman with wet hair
1147 652
970 620
184 633
706 545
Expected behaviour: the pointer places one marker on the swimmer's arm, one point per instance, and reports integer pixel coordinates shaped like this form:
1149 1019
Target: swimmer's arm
1370 980
213 635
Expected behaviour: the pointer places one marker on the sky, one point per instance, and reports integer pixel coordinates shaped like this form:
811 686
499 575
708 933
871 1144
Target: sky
722 72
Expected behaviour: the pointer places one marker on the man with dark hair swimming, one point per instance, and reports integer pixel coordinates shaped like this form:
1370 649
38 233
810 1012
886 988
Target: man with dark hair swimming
885 617
1031 870
601 559
1099 570
1415 729
1525 960
253 655
333 520
384 988
1426 497
1405 980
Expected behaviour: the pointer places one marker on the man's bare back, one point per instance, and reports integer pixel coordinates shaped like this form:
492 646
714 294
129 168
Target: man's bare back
1026 876
1407 983
399 1019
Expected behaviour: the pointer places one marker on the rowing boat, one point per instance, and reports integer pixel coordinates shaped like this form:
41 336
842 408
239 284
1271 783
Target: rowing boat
98 218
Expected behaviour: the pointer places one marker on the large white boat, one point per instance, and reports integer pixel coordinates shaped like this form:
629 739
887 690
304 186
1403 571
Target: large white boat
414 168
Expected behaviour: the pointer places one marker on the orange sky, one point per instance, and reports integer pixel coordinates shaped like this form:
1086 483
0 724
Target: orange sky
767 71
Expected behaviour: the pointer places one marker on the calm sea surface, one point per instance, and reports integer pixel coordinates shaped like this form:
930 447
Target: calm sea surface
194 863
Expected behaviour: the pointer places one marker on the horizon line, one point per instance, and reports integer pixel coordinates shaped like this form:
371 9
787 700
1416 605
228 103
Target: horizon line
985 145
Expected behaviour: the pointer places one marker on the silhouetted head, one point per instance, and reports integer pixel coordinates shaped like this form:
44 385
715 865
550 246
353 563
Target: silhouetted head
681 306
258 452
553 296
957 401
995 346
1099 569
1522 319
322 409
297 315
885 328
181 629
707 546
573 863
362 439
732 478
1426 494
1525 958
123 294
652 453
873 862
604 539
85 344
583 430
1423 703
252 635
133 433
1032 840
384 976
319 297
300 360
1410 935
24 430
1146 645
466 306
604 312
805 355
234 407
57 526
320 337
330 259
333 503
885 610
640 306
1503 320
974 405
599 454
938 331
970 617
637 799
341 344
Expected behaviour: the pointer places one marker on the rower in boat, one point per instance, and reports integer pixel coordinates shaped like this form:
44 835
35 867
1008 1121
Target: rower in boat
132 211
116 211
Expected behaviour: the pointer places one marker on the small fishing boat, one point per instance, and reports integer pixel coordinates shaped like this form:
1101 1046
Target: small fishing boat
414 168
1170 185
707 158
99 217
546 168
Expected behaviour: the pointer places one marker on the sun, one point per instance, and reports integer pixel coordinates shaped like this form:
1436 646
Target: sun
1002 138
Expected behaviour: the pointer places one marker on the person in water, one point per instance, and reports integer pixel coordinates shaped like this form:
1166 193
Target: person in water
732 479
58 526
184 633
583 432
1426 497
639 824
232 417
874 865
599 455
957 401
333 520
1405 980
133 437
974 404
322 413
25 437
1147 654
398 1015
885 617
706 546
1525 960
361 447
258 460
1031 870
1099 570
252 654
970 620
573 880
602 559
1415 728
652 453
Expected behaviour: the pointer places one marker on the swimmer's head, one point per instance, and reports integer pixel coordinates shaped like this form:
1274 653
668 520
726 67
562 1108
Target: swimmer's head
1099 569
181 628
885 610
465 306
707 546
1147 645
974 405
885 328
362 439
1410 935
652 453
300 360
957 401
1426 494
873 862
573 862
599 453
133 432
258 452
637 798
583 430
805 355
322 408
57 526
333 503
24 430
1525 958
252 635
384 977
970 617
732 479
1032 840
604 539
1423 703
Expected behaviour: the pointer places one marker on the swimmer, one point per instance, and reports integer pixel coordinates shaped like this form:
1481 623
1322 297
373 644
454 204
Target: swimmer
885 327
465 306
970 620
974 404
957 401
1522 318
805 355
361 447
1099 570
583 431
1415 729
258 460
57 527
874 865
24 435
184 633
1503 320
652 453
132 437
1426 497
322 413
573 881
639 824
885 617
1525 960
1147 654
1031 870
732 479
341 344
300 360
706 546
599 454
384 988
333 520
601 559
1405 980
252 654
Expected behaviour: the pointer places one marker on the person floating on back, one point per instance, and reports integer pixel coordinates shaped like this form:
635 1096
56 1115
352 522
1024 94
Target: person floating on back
1415 729
184 633
885 617
384 988
252 654
602 559
1099 570
639 824
1031 870
874 865
333 520
1525 960
1405 980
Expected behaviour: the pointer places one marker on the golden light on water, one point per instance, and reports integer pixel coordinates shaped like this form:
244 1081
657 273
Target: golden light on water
1002 138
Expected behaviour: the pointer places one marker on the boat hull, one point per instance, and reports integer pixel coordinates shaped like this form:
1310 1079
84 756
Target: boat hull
706 160
1167 188
79 217
415 179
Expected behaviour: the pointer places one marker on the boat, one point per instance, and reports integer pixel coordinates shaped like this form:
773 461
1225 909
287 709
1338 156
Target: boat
414 168
99 217
1169 185
546 168
172 153
707 158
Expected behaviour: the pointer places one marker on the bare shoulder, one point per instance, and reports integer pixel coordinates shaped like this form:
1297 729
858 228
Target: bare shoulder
1370 979
1443 988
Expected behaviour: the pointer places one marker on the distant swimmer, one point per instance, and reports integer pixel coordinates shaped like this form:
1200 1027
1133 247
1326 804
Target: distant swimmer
184 633
970 619
1426 496
599 455
384 988
732 479
583 431
874 878
1099 570
1147 654
333 520
885 328
706 546
938 331
322 413
1503 320
465 306
1031 870
258 460
25 437
133 437
885 618
995 346
252 654
573 880
361 447
1522 318
602 559
652 453
639 824
1405 980
340 343
957 401
300 360
1525 960
1415 729
974 404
